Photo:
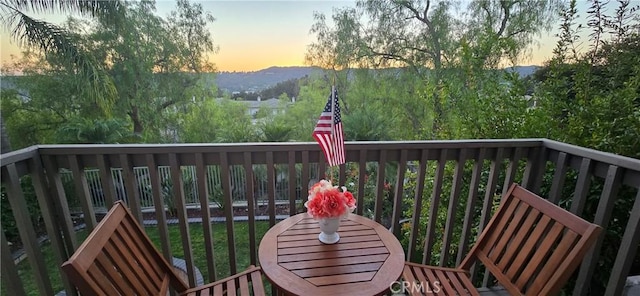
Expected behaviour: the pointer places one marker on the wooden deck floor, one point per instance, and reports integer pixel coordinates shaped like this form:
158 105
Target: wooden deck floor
497 291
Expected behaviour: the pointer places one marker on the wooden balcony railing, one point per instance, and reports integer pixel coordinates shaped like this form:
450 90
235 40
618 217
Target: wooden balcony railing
446 189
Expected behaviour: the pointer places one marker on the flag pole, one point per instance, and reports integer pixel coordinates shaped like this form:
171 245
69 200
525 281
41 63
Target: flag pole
333 126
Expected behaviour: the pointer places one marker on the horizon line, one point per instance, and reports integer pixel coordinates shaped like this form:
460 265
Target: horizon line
307 66
3 73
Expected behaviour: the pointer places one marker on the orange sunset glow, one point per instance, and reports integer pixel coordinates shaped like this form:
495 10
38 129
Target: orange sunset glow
254 35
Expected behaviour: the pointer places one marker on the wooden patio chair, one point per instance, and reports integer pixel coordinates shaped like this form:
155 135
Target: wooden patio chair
118 258
530 246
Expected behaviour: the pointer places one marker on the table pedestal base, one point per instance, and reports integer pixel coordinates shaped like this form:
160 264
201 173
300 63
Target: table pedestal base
329 239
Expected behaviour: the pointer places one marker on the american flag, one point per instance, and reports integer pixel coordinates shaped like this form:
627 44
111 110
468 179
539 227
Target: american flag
328 131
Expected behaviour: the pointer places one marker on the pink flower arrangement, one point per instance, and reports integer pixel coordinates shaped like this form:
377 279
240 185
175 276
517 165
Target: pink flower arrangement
327 201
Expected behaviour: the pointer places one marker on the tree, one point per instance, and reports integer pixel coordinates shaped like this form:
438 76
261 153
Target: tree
303 115
54 40
5 145
94 131
217 121
591 99
30 119
366 124
430 39
156 69
156 63
275 131
51 39
289 87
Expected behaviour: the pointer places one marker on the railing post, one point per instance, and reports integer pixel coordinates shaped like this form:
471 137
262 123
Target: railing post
603 215
399 194
10 277
465 234
228 210
417 205
291 166
487 205
52 224
535 168
559 176
512 169
452 210
82 191
106 179
181 208
541 168
362 176
382 164
582 187
271 190
133 196
158 202
27 233
252 204
434 206
627 250
60 204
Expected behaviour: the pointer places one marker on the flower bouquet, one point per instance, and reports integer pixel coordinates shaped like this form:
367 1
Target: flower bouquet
327 204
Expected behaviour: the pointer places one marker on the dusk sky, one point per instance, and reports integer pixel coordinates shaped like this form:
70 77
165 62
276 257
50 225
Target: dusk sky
253 35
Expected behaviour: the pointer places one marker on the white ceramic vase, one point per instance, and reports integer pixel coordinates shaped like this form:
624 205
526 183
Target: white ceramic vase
329 230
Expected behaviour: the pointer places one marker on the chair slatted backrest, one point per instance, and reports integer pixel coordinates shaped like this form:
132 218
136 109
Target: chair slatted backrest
118 258
532 246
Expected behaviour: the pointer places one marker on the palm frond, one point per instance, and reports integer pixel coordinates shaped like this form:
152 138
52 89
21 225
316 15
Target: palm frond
51 39
92 8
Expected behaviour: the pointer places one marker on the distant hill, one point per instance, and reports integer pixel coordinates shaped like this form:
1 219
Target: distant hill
257 81
262 79
524 71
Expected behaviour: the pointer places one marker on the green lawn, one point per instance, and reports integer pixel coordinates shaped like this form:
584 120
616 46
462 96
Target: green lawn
221 251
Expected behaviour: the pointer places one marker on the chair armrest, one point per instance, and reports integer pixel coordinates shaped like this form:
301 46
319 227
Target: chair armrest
249 270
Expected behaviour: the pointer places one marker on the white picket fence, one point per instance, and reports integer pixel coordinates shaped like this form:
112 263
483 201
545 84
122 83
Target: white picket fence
214 185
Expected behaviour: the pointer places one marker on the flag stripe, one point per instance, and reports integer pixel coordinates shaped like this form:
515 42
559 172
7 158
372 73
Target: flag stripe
328 132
